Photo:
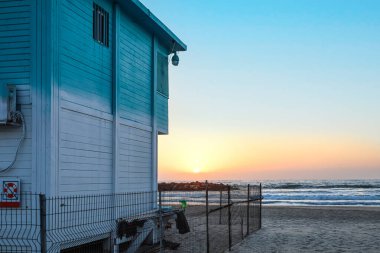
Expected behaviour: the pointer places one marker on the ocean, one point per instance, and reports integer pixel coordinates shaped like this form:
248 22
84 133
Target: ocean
319 192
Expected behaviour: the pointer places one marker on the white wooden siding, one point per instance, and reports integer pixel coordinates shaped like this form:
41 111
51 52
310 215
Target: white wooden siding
16 40
135 156
9 138
85 153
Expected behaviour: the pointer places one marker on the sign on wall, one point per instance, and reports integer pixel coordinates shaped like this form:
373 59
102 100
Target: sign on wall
10 193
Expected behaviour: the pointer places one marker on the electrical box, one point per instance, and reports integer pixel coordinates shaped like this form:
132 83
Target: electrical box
7 102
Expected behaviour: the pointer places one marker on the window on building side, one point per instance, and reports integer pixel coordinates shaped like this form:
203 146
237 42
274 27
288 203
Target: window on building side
162 74
100 30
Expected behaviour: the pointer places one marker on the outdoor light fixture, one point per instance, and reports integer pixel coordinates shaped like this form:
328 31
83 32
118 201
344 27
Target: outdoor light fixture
175 59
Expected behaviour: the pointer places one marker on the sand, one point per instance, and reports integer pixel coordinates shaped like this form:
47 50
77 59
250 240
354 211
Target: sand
195 241
315 229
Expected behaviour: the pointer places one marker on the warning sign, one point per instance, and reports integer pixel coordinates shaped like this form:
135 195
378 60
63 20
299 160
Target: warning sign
10 194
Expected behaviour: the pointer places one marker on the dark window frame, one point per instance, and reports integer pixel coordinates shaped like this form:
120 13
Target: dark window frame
100 25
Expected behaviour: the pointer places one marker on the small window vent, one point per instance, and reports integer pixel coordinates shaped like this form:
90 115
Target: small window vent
100 28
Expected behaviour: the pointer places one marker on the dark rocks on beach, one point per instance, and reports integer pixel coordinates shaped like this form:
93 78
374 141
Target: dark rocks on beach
193 186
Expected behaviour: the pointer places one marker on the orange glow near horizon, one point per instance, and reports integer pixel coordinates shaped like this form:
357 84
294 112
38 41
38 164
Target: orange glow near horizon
278 90
219 156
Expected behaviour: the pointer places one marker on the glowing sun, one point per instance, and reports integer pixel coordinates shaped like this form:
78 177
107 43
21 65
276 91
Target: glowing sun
197 170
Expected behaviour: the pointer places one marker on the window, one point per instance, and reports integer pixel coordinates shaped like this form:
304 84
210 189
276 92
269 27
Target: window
162 74
100 30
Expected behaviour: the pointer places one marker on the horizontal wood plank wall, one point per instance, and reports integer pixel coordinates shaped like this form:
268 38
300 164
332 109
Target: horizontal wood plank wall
135 109
135 72
162 111
85 154
162 114
16 42
85 115
135 147
86 65
9 138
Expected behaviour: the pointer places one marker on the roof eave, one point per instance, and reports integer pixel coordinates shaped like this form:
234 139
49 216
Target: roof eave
147 19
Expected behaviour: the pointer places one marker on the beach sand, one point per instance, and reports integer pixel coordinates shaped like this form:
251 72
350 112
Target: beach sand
315 229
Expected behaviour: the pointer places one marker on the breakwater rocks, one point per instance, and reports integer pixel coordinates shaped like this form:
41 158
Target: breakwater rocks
193 186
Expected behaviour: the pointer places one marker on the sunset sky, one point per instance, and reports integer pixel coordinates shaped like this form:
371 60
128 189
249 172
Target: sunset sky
273 90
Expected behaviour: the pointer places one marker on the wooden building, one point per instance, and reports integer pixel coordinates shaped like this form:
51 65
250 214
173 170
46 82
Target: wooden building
83 97
90 80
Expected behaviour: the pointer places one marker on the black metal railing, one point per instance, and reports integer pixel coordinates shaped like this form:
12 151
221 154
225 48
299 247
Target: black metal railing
217 219
20 229
204 220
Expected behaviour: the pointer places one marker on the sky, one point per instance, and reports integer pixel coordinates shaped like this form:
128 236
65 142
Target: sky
272 89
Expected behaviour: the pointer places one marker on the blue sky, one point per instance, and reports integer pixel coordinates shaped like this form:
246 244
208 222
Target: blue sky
276 68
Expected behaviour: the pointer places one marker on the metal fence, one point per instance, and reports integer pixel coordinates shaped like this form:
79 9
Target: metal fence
217 220
80 220
188 221
20 229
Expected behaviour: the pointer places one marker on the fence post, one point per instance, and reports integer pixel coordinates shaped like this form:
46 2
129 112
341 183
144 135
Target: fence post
207 229
229 219
248 203
43 222
261 198
220 206
161 222
114 242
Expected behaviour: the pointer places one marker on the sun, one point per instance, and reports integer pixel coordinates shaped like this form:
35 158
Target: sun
196 170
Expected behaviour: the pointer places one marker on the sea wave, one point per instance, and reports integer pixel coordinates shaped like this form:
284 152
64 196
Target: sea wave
321 197
321 186
312 193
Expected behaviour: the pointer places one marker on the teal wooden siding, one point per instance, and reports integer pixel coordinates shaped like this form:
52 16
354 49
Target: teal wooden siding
135 107
85 65
162 114
16 67
135 73
162 93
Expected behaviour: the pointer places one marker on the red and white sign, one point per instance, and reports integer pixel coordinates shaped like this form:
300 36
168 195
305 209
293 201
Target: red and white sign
10 193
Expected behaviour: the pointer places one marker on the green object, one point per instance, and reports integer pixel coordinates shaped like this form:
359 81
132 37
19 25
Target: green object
183 203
